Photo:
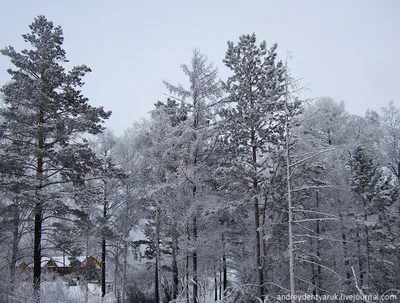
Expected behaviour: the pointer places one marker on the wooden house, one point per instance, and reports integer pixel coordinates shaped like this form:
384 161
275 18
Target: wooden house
64 265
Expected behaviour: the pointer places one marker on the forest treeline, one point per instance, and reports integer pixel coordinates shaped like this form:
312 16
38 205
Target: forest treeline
234 190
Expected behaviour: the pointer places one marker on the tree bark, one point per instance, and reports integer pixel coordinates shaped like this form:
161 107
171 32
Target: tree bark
318 253
259 259
360 258
215 286
187 265
37 250
175 273
289 199
124 272
156 276
290 222
116 269
15 242
345 251
37 270
367 253
104 244
195 286
224 268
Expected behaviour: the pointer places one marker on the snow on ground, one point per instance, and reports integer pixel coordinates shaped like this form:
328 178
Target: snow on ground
59 292
77 293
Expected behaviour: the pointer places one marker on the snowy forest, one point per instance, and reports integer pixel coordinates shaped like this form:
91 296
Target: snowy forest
233 190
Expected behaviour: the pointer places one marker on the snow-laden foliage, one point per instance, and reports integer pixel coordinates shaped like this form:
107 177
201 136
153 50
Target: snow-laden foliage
231 191
44 114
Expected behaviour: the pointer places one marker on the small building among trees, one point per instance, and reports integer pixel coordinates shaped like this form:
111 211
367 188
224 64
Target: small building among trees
88 268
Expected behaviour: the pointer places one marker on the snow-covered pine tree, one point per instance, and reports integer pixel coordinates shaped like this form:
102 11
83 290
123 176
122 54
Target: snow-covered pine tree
44 114
390 121
252 125
374 196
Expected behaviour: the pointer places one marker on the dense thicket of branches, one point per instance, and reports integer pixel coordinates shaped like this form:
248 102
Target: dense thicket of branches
231 191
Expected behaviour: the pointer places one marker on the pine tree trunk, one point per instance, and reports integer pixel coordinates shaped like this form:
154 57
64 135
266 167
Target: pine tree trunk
15 243
85 271
104 244
259 265
37 270
259 260
37 249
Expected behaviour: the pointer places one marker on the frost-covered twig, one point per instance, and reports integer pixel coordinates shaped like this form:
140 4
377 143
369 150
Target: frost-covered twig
358 287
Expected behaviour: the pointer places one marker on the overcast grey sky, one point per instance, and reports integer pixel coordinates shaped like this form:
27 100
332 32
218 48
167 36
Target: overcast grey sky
348 50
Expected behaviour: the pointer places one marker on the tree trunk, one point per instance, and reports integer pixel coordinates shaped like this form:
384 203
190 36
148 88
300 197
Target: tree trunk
15 243
259 259
224 268
124 271
220 280
367 258
187 265
360 258
318 253
290 222
116 270
195 286
215 286
313 275
86 259
175 273
37 270
103 268
290 206
37 249
104 244
157 240
345 251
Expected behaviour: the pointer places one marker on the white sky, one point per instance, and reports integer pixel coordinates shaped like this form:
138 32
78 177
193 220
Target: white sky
347 49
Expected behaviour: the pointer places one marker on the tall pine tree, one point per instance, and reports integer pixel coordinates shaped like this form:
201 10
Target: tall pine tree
44 114
252 125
